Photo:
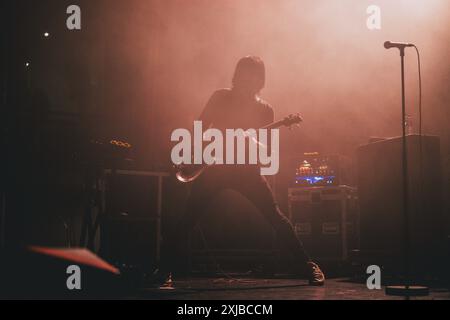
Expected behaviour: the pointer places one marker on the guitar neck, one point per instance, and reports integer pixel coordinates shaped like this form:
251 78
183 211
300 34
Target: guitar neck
274 125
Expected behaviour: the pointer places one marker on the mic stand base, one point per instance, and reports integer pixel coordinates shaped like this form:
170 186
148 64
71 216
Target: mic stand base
407 291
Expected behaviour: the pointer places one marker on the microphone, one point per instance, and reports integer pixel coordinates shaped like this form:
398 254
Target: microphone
400 45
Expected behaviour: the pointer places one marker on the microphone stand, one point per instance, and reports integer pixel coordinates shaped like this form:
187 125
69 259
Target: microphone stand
407 290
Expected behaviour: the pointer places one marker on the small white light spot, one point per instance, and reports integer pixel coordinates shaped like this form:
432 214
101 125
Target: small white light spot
46 34
27 64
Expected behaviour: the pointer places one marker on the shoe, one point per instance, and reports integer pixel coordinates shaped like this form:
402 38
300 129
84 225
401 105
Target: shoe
315 275
168 284
159 278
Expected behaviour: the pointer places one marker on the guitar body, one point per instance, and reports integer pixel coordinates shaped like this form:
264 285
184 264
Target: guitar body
189 172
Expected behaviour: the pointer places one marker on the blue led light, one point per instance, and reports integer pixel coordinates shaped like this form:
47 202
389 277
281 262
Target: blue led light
312 180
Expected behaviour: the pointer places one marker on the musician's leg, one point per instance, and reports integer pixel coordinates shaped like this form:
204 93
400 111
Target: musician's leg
176 243
258 191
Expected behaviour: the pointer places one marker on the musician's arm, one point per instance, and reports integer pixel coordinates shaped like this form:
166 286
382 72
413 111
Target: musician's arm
270 116
209 111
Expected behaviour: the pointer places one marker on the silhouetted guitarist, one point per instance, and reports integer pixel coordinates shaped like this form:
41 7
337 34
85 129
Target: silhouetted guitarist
239 107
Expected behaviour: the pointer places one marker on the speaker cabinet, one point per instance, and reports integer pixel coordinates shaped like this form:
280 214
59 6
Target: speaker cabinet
130 229
380 186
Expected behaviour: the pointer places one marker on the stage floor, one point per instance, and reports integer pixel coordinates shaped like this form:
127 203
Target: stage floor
273 289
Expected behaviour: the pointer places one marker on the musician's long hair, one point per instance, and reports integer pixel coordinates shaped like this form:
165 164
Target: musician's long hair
250 72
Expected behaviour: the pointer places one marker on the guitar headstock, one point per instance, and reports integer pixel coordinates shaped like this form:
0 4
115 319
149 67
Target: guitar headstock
292 120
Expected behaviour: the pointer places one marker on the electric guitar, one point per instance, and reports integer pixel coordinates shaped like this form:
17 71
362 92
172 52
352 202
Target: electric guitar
189 172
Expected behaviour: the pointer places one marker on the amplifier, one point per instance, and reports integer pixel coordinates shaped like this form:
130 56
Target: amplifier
326 219
380 187
313 169
130 230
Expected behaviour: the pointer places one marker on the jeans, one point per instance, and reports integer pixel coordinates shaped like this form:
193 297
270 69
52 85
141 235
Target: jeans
253 186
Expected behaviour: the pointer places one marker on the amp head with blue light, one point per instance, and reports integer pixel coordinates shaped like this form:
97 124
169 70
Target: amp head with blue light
316 170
